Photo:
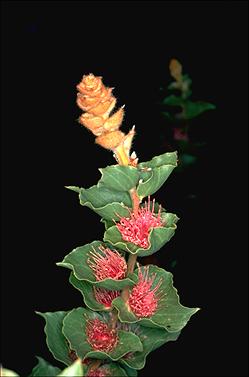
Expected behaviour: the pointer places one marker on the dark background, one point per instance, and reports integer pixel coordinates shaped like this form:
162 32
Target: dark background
46 48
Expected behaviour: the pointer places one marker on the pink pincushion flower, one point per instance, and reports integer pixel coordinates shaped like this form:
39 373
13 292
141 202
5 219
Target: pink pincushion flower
136 228
100 372
143 299
109 264
105 297
100 336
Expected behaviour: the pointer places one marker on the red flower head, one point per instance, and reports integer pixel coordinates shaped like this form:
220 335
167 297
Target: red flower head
100 372
108 265
105 297
143 299
136 228
100 336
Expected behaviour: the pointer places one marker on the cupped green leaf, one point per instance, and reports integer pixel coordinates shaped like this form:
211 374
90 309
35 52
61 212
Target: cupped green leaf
44 368
129 371
74 370
74 329
168 158
106 202
170 314
77 261
155 172
151 339
158 237
110 370
119 178
55 339
88 292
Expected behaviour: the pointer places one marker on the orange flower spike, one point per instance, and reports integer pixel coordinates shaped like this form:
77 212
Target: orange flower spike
97 102
114 122
175 68
90 84
110 140
93 123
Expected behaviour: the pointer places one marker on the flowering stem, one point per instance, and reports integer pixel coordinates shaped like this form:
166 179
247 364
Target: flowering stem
132 257
131 263
135 200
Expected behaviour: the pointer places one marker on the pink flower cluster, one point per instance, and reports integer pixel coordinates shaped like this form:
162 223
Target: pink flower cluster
136 228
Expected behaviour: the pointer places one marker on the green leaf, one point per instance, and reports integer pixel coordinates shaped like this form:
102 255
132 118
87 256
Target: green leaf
170 314
173 100
110 370
158 237
74 370
151 339
87 291
7 373
105 202
193 109
155 172
56 341
168 158
43 368
74 328
119 178
129 371
77 261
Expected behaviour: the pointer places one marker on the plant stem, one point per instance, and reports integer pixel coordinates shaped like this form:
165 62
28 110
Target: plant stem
135 200
114 318
123 159
130 268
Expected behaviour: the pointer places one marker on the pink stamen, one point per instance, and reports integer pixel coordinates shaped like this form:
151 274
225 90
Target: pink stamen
105 297
100 336
136 228
143 300
109 264
100 372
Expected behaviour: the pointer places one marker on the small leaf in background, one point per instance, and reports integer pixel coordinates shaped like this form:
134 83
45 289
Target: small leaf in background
187 159
173 100
44 368
173 263
193 109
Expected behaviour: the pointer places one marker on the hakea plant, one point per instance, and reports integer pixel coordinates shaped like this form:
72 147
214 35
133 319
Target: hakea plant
187 111
129 309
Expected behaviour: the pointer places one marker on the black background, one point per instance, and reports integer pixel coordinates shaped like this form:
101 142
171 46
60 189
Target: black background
46 48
